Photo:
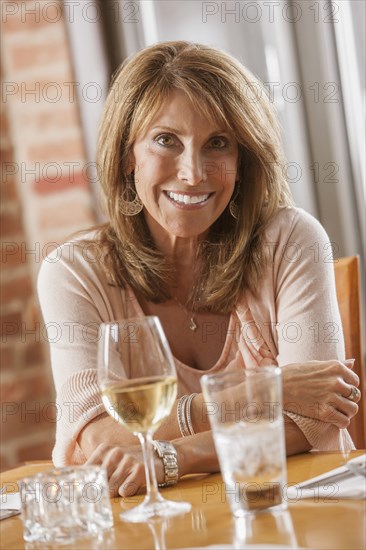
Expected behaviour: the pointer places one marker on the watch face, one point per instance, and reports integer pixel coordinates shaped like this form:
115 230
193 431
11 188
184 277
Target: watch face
164 447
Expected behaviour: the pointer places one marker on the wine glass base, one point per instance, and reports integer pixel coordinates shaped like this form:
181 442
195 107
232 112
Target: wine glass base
154 510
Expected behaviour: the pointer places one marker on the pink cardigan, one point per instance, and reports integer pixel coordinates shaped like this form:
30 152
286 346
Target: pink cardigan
295 319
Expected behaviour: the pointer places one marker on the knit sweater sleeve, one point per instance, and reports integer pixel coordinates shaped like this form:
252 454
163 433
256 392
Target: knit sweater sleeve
73 301
308 320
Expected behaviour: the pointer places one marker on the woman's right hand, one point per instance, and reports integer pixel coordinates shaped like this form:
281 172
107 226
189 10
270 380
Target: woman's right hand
320 390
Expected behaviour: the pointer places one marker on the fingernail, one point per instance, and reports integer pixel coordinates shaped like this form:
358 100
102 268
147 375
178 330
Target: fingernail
350 362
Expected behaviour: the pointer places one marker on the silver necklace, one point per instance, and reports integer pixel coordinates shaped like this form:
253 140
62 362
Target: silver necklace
192 323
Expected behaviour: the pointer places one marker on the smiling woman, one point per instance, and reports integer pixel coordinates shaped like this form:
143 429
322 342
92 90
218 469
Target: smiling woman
164 106
201 233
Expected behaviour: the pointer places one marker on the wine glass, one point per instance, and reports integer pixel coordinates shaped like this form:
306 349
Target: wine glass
138 383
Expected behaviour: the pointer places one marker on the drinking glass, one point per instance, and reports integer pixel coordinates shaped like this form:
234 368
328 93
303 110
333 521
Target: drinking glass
65 504
245 412
138 383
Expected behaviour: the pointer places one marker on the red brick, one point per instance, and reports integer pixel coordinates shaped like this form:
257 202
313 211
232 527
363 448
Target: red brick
7 358
42 451
12 254
31 313
4 122
10 224
36 55
68 181
28 388
63 151
50 92
34 354
21 19
10 326
16 289
51 118
22 418
5 463
70 213
9 171
31 333
9 191
6 154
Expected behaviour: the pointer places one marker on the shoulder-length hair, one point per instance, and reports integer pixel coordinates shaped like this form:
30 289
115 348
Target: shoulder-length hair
232 258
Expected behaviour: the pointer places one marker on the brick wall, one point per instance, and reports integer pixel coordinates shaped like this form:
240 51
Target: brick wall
45 196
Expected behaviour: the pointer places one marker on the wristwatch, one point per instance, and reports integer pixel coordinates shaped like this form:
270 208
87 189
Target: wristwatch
168 454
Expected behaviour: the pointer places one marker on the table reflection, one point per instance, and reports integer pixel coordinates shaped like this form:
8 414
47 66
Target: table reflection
265 528
106 540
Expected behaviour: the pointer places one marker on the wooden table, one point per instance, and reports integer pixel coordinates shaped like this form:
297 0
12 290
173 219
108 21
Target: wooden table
323 524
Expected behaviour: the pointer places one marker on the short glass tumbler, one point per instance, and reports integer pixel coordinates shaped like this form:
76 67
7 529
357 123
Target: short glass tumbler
65 504
245 412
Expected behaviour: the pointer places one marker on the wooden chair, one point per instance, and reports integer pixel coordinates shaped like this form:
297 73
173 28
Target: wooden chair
347 276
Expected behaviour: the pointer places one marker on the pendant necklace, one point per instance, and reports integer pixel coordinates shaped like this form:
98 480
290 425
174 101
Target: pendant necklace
192 323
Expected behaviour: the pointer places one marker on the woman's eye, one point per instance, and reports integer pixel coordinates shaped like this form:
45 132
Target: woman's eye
219 142
165 140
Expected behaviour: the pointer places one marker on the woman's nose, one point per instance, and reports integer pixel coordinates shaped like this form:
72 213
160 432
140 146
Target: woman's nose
191 169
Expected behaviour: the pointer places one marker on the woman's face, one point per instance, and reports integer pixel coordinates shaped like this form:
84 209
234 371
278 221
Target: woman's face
185 169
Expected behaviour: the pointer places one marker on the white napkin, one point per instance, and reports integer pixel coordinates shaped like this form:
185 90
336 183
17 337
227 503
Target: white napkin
352 487
246 547
10 505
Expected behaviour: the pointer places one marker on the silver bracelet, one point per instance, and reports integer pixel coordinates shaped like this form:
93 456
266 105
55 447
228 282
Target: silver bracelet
181 416
184 415
188 413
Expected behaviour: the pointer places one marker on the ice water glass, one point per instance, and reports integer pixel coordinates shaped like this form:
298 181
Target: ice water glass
245 412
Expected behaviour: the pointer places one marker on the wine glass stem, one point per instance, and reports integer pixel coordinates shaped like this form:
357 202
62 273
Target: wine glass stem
152 492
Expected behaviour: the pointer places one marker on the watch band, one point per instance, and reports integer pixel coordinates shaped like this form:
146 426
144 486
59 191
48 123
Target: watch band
168 454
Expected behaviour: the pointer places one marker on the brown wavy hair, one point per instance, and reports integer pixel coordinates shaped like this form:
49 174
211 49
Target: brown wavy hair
232 257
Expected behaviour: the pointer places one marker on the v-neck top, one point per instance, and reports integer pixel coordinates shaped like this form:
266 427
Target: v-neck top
276 326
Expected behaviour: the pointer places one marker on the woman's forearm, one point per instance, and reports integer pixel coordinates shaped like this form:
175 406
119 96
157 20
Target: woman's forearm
296 442
196 454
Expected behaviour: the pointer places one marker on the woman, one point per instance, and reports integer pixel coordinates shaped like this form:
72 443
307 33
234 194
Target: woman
202 233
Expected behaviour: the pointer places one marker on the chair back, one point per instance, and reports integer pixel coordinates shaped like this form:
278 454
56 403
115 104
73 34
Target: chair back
347 276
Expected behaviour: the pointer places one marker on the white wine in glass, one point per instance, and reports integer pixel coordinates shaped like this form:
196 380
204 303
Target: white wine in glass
138 383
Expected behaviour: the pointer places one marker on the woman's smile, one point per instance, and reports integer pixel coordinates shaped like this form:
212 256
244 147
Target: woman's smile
188 201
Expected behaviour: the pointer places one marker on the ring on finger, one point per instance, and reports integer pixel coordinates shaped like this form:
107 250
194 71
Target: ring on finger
354 393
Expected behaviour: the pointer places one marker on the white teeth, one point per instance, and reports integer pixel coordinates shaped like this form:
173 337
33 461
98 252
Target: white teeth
186 199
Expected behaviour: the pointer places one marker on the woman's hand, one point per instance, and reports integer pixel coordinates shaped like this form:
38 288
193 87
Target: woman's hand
320 389
125 465
125 468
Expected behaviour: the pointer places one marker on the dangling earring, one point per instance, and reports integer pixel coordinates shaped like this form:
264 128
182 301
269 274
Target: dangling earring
130 207
233 207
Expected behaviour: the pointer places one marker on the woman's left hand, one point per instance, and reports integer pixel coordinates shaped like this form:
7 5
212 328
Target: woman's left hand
320 390
125 468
